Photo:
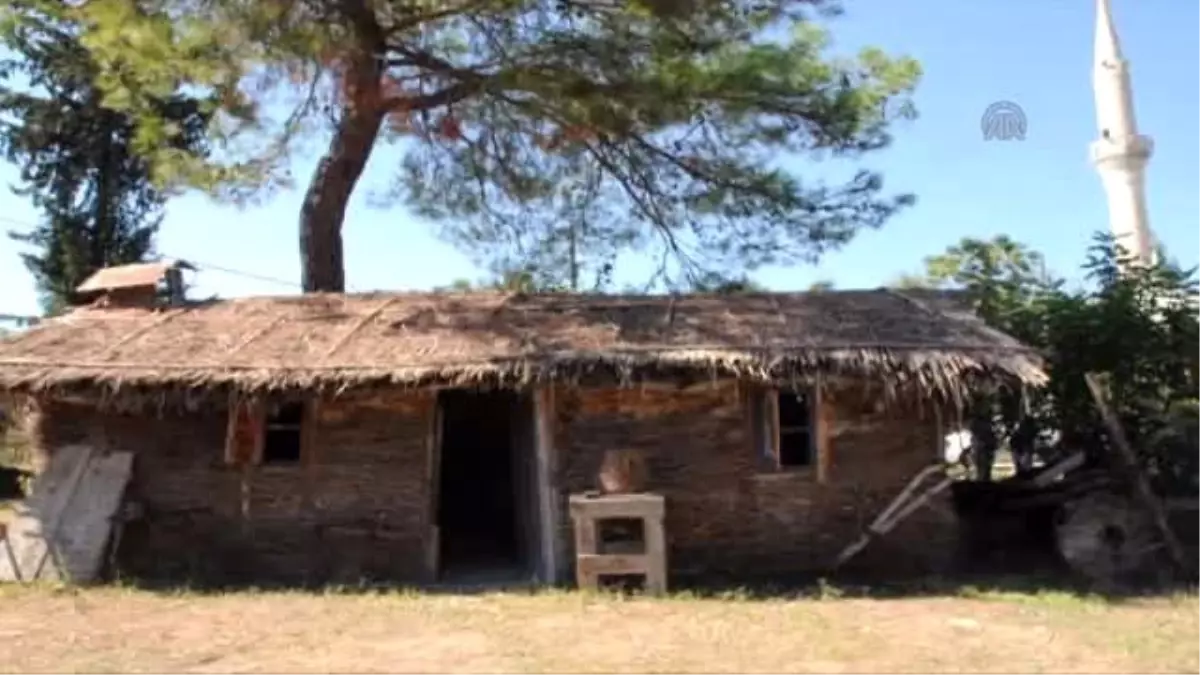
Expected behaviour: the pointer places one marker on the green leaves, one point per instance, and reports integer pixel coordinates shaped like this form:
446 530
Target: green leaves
683 109
81 163
1139 325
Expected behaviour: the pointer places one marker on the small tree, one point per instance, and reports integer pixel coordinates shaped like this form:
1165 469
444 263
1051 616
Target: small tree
76 157
1138 325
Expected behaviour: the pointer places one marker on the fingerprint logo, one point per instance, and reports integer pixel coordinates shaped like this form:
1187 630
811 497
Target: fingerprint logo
1004 121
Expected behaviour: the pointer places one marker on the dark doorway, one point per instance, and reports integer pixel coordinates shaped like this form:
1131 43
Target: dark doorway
484 493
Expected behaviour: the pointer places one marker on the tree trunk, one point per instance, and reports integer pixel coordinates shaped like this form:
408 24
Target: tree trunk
337 173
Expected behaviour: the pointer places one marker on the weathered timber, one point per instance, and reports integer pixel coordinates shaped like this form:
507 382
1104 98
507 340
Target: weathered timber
591 564
63 527
905 503
1141 486
1105 537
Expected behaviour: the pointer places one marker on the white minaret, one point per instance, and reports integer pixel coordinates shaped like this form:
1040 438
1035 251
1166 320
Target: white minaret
1121 153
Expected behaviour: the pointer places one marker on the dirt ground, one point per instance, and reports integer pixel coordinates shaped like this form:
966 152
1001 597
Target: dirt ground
126 630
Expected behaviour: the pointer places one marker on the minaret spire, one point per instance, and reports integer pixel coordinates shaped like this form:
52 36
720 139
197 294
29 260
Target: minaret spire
1108 47
1121 153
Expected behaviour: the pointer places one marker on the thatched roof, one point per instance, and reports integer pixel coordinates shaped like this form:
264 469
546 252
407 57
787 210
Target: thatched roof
344 341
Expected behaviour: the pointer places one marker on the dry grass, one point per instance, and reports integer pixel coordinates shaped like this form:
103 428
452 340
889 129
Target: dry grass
121 630
926 340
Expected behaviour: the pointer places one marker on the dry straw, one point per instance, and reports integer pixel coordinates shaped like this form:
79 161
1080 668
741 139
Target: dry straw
896 339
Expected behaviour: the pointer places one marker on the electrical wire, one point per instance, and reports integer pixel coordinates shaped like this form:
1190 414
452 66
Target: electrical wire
197 263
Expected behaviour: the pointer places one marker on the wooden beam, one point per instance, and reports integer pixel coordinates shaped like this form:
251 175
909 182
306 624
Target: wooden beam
548 519
772 409
1141 486
358 325
256 334
309 453
140 331
433 473
825 421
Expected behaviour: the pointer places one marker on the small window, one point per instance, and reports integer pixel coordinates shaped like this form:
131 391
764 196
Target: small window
784 429
795 429
281 442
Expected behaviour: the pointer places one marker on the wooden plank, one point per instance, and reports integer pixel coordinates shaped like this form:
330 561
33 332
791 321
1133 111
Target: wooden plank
772 409
939 428
433 473
585 536
309 453
38 515
543 410
585 545
140 331
10 558
62 530
52 523
656 557
81 539
359 325
1141 485
641 505
595 564
901 506
254 335
825 421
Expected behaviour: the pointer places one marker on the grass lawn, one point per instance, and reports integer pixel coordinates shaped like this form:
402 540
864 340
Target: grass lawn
120 629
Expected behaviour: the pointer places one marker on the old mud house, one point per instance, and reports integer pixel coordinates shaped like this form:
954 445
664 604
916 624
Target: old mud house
406 436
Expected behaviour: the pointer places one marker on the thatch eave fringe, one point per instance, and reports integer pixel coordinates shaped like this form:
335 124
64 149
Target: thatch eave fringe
334 343
928 370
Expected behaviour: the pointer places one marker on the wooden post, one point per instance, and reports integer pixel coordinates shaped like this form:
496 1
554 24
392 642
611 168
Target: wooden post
433 474
1141 486
547 495
825 419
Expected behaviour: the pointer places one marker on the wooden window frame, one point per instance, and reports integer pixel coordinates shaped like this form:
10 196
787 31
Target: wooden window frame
254 415
766 432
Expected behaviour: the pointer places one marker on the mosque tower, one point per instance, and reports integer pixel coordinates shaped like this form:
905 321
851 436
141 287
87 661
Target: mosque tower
1121 153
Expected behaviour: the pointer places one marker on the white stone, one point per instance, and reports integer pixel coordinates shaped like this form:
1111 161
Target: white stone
1121 154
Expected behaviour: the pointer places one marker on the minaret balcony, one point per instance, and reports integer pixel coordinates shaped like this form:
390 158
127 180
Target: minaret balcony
1122 152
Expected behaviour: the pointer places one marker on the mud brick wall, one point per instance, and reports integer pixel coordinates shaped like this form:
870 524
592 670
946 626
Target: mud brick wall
725 515
356 508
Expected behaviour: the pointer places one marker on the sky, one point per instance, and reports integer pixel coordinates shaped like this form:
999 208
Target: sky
1041 191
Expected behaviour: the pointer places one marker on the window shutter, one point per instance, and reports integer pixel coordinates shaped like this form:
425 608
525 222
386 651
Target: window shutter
243 440
771 408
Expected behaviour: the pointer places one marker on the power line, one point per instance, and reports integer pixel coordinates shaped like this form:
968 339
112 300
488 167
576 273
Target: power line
228 270
200 264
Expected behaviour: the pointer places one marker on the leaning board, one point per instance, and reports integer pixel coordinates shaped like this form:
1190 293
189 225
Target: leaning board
62 529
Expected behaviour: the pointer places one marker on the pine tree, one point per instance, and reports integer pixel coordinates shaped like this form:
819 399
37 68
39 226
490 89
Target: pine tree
76 157
684 108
